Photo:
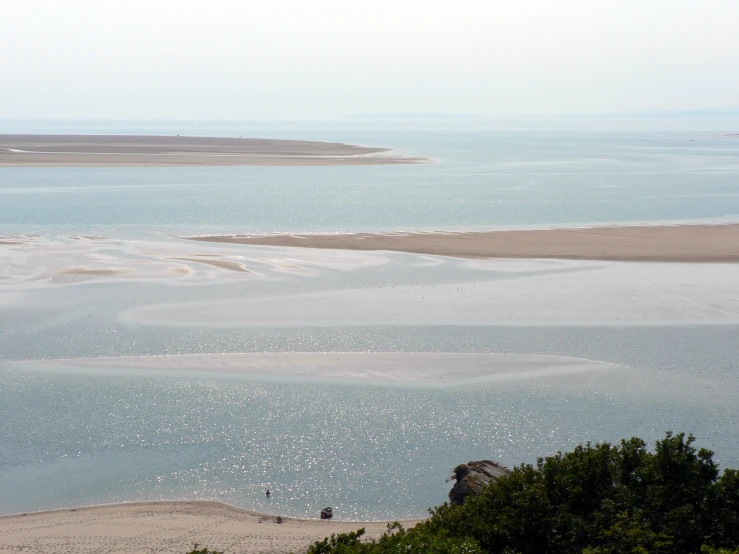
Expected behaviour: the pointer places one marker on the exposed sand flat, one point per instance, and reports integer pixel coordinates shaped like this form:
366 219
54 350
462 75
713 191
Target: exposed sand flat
222 264
684 243
166 527
417 368
551 292
18 239
76 259
91 271
125 150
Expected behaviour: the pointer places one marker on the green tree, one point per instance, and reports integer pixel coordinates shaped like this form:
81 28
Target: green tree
597 499
396 540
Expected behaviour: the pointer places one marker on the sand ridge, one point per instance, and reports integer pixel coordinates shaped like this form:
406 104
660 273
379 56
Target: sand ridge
679 243
429 369
509 292
222 264
145 150
167 527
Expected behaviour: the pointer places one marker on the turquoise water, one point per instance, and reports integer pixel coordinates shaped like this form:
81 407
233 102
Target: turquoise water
371 450
484 178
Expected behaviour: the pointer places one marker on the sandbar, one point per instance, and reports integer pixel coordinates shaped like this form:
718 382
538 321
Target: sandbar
422 369
505 292
167 527
132 150
222 264
679 243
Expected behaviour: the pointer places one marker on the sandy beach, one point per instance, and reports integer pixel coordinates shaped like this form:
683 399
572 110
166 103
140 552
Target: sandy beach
682 243
167 527
130 150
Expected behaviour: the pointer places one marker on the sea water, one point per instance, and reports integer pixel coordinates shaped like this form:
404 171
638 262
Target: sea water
483 178
370 449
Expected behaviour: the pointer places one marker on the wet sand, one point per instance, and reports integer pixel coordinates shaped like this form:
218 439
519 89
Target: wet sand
222 264
683 243
129 150
167 527
438 369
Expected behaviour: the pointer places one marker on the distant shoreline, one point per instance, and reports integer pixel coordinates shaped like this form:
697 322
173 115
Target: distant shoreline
679 243
152 151
171 527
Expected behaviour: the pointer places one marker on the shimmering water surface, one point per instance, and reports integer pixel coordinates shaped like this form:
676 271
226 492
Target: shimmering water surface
487 175
372 449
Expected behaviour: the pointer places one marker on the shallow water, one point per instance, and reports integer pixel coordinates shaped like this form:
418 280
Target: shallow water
486 176
372 452
88 432
372 448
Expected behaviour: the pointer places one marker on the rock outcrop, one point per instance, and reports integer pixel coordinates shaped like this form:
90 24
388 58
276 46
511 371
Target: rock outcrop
473 476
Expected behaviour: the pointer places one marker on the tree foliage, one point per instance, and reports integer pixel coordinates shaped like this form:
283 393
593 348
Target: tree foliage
397 539
597 499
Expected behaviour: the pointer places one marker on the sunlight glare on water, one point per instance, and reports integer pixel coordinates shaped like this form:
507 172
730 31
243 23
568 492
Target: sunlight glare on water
369 451
89 268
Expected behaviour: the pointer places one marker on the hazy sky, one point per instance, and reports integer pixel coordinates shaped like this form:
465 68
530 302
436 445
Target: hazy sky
330 58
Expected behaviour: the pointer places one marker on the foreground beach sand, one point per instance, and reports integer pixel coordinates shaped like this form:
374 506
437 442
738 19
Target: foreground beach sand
166 527
683 243
130 150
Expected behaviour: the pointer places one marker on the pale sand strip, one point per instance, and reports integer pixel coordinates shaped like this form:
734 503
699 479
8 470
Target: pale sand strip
222 264
418 368
125 150
167 527
683 243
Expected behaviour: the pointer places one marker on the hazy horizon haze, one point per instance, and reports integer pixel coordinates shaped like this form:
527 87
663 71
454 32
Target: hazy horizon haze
327 59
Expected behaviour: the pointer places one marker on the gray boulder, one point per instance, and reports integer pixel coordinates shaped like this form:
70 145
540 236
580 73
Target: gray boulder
473 476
